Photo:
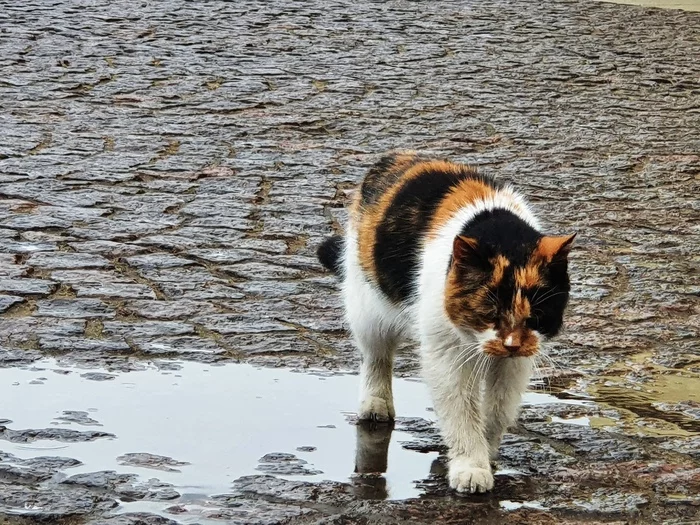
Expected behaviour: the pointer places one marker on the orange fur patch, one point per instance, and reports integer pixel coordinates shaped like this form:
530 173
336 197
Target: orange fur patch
471 310
548 247
465 193
529 276
500 263
521 308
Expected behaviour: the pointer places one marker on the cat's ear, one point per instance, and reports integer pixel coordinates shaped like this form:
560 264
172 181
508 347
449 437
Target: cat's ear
553 249
466 253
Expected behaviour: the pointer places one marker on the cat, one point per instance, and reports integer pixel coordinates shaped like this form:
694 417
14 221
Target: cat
437 253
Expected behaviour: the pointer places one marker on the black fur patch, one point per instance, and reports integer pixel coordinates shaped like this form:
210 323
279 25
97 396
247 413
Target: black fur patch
329 252
399 235
548 302
502 232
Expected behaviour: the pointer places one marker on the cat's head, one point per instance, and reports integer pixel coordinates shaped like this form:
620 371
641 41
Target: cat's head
508 299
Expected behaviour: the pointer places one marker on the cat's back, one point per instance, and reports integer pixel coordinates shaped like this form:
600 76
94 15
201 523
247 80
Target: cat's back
403 199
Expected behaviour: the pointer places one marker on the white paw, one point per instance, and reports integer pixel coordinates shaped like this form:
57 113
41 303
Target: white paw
464 477
376 409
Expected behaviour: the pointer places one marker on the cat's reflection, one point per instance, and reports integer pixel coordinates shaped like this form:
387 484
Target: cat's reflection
371 459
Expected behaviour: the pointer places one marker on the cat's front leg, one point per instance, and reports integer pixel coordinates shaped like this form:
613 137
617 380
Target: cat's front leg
456 397
506 381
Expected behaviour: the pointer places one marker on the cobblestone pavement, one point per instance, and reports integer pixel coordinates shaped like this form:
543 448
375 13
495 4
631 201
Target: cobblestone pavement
167 169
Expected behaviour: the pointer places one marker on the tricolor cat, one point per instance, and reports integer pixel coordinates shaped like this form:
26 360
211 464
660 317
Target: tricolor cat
435 252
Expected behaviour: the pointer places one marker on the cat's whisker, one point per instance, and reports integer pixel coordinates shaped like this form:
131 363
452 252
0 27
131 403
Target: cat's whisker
479 369
466 359
490 295
537 291
550 363
465 352
549 296
469 358
538 372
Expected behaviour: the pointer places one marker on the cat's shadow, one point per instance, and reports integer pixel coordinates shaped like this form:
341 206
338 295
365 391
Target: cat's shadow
371 459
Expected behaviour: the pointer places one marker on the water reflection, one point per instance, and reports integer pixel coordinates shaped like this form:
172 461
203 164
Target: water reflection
372 460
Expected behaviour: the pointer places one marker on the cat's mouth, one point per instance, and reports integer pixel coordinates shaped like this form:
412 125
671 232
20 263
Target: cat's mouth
520 342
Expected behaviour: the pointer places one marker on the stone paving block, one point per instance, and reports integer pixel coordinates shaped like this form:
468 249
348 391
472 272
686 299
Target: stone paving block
67 260
73 308
27 286
6 301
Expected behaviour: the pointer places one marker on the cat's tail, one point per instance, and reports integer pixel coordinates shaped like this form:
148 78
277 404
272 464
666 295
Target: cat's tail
329 254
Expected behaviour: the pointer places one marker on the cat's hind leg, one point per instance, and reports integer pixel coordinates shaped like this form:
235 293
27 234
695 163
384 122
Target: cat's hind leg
376 341
376 396
372 321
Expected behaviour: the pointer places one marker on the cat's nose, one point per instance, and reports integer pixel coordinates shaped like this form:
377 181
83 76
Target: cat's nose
512 343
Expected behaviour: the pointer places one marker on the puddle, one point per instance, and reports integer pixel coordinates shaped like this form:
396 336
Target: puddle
220 420
653 400
212 425
515 505
686 5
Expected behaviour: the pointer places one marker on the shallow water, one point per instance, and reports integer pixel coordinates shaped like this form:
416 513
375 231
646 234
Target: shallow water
220 420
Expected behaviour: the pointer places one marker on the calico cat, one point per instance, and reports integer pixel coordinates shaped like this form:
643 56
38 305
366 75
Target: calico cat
440 254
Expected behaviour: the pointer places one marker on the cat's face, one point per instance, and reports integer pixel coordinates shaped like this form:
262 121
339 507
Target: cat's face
510 303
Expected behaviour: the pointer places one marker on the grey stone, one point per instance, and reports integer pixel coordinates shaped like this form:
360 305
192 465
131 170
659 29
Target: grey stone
151 461
285 465
82 344
31 221
98 376
146 329
114 290
105 479
169 310
27 286
49 504
78 417
178 345
16 356
73 308
266 343
258 270
67 260
93 283
611 501
108 249
157 260
7 301
27 247
240 324
133 518
223 255
56 434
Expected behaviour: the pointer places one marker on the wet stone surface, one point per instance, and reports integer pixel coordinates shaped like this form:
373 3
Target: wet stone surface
152 461
166 172
285 465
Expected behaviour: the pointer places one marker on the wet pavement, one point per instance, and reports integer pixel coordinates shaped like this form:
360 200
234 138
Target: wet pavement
166 171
